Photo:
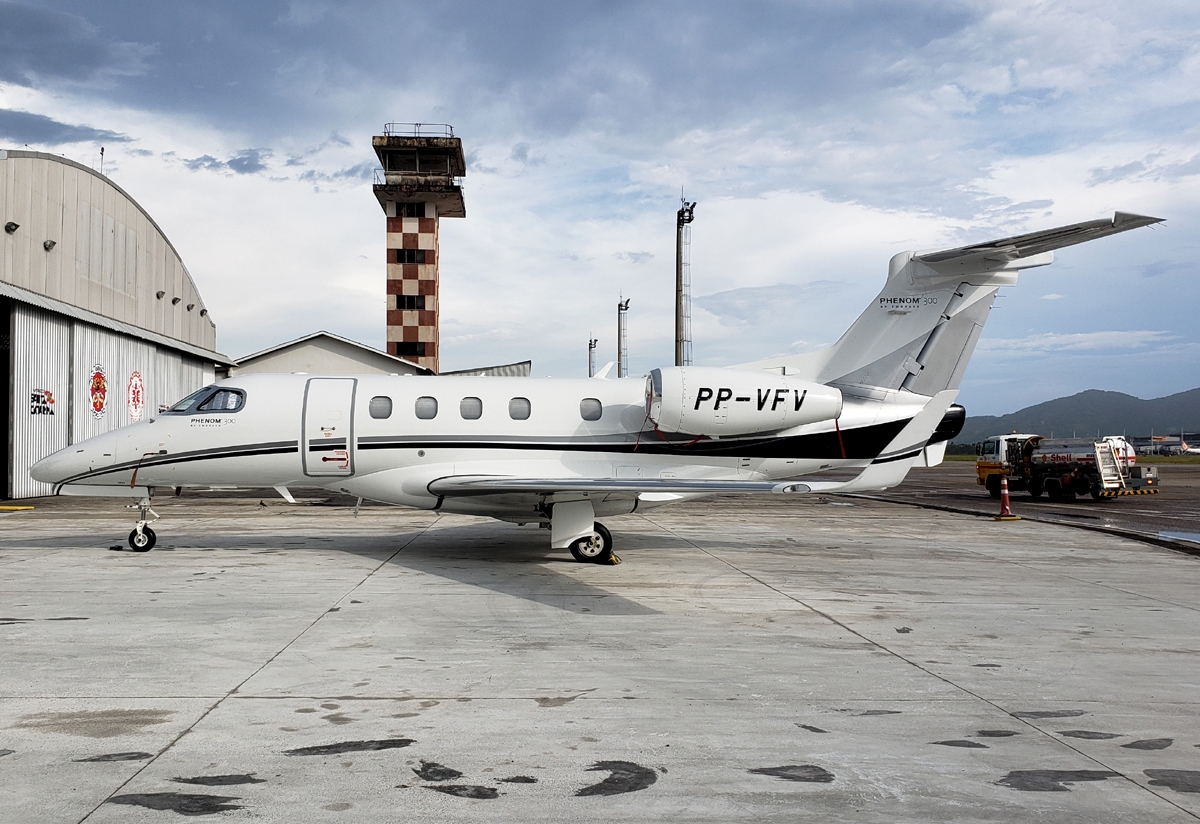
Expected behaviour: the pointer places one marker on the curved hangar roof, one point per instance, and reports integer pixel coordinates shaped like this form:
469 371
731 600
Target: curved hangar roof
80 241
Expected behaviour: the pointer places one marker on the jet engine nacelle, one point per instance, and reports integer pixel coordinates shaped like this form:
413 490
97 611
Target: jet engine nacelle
699 400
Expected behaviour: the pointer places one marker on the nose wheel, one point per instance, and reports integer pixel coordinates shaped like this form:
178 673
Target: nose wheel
142 539
595 548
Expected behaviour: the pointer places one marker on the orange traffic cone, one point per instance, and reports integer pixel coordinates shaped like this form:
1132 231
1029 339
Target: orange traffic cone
1005 507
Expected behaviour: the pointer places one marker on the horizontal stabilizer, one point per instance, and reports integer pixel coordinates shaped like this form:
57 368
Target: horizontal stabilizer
467 485
1036 243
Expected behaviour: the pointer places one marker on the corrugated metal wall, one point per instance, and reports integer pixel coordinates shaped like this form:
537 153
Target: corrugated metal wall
62 356
41 346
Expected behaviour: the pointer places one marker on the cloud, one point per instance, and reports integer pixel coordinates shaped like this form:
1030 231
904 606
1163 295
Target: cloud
1053 342
38 44
35 129
360 172
1053 296
245 162
634 257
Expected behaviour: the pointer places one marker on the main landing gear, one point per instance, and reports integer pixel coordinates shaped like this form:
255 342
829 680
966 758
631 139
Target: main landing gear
142 539
595 548
573 526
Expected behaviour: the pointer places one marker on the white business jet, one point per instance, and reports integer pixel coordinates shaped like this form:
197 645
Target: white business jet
562 452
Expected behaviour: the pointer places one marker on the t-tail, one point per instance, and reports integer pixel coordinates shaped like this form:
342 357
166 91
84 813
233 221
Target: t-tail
913 343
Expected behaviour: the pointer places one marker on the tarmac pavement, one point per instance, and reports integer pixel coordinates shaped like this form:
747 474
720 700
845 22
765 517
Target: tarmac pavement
770 658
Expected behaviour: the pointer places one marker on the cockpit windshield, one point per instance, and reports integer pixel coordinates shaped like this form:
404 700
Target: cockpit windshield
190 401
210 399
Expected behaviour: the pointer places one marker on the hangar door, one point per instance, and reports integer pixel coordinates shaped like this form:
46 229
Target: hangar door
327 444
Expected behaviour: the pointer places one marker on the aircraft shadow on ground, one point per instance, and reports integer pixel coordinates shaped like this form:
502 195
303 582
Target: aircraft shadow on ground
501 558
514 561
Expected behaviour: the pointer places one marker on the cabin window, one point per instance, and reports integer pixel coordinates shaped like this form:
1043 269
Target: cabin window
989 447
590 409
471 409
519 408
225 400
380 407
426 408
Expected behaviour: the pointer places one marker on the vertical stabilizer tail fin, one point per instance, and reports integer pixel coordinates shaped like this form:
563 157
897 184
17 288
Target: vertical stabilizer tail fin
920 332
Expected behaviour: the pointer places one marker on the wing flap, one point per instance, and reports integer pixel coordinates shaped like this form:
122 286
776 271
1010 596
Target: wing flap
467 485
1036 243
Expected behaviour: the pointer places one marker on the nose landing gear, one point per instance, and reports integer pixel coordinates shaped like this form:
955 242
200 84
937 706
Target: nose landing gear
142 539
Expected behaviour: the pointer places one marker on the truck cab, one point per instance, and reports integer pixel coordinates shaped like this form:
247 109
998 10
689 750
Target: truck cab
1001 455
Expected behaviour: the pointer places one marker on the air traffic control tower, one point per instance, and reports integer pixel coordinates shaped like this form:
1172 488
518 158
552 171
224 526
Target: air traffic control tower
422 164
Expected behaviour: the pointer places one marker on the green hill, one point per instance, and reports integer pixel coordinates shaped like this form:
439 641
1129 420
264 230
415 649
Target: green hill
1110 413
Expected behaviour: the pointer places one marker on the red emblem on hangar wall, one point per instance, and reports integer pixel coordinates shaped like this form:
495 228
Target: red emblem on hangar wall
136 396
98 391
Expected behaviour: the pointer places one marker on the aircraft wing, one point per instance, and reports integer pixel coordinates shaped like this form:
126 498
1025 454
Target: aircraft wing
468 485
1036 243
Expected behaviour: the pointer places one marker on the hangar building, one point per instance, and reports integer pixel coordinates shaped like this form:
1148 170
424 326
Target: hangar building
100 322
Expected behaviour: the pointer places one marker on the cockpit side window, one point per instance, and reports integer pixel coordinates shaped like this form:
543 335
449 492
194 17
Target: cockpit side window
197 397
224 400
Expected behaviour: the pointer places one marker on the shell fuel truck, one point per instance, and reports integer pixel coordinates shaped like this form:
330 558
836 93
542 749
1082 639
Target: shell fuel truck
1063 467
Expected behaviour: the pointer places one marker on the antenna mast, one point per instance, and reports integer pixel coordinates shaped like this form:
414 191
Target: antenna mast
683 282
622 338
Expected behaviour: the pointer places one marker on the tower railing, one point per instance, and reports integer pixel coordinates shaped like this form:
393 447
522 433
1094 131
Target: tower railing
380 178
418 130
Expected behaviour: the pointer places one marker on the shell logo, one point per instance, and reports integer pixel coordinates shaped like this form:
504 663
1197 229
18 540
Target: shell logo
98 391
136 396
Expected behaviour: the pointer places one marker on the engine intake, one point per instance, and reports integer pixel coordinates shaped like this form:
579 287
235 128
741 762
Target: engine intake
699 400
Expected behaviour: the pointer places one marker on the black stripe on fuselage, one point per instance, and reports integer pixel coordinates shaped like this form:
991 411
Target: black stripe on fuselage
240 451
862 443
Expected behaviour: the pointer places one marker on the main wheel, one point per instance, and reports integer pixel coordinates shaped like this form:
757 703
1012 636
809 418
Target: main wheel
595 548
143 542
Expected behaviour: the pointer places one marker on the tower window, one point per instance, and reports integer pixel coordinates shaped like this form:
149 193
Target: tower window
410 302
410 349
410 210
410 255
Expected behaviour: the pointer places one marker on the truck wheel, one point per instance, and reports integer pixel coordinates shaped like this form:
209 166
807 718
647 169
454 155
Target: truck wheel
1035 490
1054 490
993 485
1096 490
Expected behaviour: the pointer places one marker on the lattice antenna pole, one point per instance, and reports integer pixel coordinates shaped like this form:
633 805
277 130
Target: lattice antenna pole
622 338
592 356
683 282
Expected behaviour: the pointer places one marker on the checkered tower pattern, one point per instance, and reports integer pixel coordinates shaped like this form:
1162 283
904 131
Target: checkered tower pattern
412 283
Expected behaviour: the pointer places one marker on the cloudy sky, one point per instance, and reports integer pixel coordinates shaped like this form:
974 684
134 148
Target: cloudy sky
819 138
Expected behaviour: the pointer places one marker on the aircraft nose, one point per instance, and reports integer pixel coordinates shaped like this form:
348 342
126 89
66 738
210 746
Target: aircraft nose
75 459
52 468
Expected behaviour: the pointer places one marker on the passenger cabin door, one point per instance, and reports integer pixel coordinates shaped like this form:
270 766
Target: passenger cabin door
327 427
